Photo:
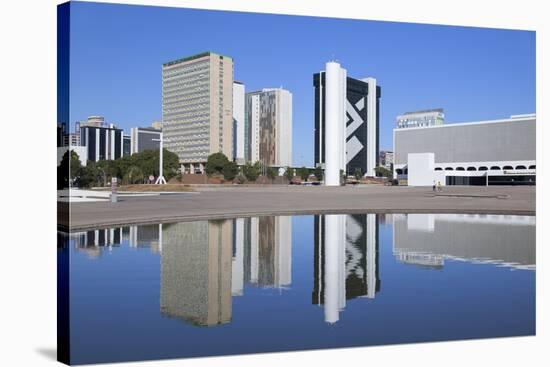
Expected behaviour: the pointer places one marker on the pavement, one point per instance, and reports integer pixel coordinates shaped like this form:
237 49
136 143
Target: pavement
234 201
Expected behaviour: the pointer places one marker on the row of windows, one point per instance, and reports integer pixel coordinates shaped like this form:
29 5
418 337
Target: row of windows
187 68
400 171
201 100
185 91
188 116
183 97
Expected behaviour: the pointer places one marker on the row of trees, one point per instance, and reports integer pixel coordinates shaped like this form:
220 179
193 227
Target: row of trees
132 169
219 164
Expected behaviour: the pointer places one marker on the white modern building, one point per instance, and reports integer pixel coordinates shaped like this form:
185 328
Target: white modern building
433 117
197 108
268 127
346 123
238 122
496 152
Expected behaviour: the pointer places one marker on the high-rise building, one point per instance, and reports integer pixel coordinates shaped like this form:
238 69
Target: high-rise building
126 145
144 138
197 108
238 123
269 127
346 123
433 117
102 141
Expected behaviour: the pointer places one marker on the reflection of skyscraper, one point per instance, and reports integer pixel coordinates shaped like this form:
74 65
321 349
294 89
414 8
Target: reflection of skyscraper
196 271
92 241
146 235
345 261
269 250
429 239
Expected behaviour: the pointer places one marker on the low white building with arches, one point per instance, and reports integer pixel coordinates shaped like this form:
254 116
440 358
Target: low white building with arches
495 152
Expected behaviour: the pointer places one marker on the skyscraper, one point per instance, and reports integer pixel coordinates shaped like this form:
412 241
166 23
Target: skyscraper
269 127
103 141
238 123
197 108
349 107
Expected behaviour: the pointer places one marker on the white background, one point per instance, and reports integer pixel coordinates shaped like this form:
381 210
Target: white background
28 161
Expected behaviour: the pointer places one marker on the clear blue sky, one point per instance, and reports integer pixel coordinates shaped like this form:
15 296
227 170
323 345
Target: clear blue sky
117 53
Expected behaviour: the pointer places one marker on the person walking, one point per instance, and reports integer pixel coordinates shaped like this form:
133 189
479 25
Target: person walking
439 187
433 187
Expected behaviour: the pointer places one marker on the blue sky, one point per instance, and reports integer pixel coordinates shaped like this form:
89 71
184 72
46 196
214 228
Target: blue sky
475 74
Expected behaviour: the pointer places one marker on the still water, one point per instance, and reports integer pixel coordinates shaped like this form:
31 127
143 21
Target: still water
279 283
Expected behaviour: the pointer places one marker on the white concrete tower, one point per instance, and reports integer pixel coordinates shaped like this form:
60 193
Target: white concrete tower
371 127
335 258
238 118
335 112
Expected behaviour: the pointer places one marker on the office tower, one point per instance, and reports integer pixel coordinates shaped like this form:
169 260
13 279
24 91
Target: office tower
196 271
238 123
102 141
348 106
197 108
433 117
144 138
269 127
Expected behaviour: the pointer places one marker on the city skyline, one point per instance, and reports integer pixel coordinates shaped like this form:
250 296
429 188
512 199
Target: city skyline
473 73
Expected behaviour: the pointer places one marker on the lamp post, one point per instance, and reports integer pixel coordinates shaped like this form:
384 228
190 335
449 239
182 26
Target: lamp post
160 179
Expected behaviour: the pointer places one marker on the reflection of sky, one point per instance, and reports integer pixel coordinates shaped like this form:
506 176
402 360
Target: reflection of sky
115 307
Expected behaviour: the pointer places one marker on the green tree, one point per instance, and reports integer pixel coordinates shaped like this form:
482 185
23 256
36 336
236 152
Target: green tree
230 171
289 173
68 168
318 173
271 172
303 172
383 172
358 173
215 163
251 171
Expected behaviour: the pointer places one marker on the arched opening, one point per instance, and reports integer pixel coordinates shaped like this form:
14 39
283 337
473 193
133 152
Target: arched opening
482 168
507 167
495 168
471 169
438 169
449 169
533 167
460 168
399 171
521 167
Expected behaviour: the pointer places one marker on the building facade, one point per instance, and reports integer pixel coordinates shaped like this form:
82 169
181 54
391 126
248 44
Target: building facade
354 138
269 127
126 145
386 159
144 138
424 118
238 123
496 152
101 142
197 108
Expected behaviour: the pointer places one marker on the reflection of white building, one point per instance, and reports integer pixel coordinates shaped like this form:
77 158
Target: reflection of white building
429 239
499 152
91 242
345 262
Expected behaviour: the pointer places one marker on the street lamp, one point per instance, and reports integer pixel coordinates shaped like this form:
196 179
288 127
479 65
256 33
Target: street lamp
160 179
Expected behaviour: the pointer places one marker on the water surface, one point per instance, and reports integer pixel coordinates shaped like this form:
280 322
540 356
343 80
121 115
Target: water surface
281 283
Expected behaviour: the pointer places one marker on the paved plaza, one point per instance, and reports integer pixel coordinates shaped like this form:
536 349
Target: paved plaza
234 201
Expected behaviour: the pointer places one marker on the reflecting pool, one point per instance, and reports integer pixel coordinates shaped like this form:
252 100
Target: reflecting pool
279 283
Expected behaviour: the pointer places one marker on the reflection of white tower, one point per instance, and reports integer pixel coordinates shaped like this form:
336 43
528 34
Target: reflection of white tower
335 122
335 281
254 249
283 241
132 240
371 255
237 276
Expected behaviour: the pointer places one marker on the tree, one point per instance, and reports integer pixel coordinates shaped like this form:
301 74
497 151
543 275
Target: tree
69 168
383 171
358 173
215 163
251 171
289 173
318 173
303 172
230 170
271 172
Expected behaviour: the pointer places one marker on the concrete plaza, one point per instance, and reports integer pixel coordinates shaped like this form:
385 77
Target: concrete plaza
233 201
